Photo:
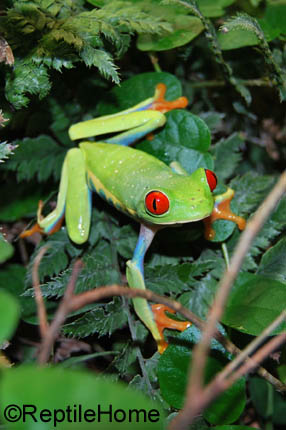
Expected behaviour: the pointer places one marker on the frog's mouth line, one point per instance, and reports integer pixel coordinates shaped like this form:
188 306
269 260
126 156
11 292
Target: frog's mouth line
174 223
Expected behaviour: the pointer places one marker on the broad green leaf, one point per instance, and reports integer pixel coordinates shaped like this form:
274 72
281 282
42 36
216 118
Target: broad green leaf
273 264
268 402
57 389
6 249
185 138
12 280
237 38
9 315
173 377
20 200
272 24
185 29
212 9
255 301
136 89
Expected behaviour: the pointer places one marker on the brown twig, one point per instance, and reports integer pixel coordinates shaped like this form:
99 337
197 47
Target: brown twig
73 302
100 293
249 350
41 309
60 316
195 393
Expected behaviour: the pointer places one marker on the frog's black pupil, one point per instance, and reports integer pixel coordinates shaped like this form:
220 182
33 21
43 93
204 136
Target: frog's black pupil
154 205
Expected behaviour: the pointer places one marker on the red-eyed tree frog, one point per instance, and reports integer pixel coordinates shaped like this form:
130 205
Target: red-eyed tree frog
138 184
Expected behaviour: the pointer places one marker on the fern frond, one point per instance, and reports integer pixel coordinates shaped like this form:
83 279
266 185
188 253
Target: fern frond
6 149
41 157
243 21
102 60
27 78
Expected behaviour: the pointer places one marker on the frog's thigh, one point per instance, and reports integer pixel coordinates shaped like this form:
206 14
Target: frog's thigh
78 199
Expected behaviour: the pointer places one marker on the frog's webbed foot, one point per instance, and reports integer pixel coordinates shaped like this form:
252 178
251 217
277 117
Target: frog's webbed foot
222 210
163 105
163 321
36 228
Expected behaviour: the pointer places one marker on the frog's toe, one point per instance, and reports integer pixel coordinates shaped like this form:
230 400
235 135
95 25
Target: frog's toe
163 321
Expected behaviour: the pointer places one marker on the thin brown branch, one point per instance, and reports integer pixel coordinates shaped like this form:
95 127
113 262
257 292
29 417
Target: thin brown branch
41 309
257 358
60 316
75 302
223 381
195 384
249 350
101 293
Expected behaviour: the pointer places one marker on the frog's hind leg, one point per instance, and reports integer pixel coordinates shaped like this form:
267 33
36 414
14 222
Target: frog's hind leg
153 317
73 201
133 126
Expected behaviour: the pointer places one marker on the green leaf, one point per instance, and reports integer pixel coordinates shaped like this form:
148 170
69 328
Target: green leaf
138 88
98 269
268 402
227 156
6 249
40 156
169 278
250 190
102 60
185 29
9 315
255 301
200 299
213 9
185 138
173 376
272 24
74 390
26 78
103 320
60 250
19 200
12 281
236 38
273 263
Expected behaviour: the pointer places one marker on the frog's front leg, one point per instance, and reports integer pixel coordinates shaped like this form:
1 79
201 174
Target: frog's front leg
73 202
222 210
139 120
156 320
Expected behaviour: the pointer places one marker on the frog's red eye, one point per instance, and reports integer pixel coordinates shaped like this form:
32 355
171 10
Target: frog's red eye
157 203
211 178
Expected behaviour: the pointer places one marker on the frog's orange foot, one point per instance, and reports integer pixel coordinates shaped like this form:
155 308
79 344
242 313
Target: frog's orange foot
163 321
34 229
222 210
163 105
